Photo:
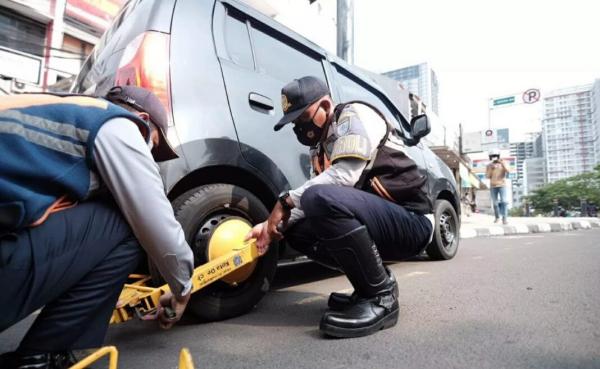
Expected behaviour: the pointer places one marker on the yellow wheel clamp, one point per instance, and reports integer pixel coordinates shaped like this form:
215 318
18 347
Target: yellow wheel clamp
230 259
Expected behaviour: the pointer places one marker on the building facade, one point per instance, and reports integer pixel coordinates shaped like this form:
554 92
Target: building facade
531 148
534 174
420 80
596 118
43 42
569 132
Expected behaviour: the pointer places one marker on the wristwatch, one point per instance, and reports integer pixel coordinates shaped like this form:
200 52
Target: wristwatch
283 200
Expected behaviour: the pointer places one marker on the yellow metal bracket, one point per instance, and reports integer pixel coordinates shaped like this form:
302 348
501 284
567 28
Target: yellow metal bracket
185 359
111 351
137 300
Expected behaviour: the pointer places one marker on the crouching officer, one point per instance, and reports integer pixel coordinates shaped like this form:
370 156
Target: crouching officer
65 248
336 224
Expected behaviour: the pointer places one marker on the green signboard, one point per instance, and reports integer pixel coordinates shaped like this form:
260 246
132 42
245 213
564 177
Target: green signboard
504 101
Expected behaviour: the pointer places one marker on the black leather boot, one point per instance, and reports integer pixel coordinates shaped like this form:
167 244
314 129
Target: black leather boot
340 301
14 360
376 305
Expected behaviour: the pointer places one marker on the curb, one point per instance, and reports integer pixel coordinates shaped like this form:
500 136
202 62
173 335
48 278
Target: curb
515 229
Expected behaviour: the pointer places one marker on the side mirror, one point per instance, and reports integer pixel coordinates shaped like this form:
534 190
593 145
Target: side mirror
420 127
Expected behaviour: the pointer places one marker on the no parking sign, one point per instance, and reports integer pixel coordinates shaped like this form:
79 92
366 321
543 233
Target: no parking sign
531 96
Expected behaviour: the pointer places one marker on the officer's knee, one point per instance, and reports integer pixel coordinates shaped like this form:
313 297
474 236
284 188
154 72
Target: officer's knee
316 199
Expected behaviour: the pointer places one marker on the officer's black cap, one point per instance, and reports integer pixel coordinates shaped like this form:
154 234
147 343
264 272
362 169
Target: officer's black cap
298 95
146 101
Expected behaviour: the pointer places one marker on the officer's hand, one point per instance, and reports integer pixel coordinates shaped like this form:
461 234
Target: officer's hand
278 215
263 239
169 304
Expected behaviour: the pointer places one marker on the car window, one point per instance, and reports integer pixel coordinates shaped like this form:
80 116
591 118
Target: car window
351 88
284 58
82 83
237 39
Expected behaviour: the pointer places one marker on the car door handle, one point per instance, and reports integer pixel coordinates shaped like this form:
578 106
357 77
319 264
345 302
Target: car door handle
260 101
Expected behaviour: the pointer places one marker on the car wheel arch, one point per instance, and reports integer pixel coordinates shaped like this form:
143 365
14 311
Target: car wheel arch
228 174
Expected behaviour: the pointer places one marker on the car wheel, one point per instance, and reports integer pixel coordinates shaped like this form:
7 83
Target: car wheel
446 232
199 211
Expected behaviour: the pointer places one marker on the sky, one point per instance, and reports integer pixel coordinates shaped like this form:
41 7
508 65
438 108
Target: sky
481 49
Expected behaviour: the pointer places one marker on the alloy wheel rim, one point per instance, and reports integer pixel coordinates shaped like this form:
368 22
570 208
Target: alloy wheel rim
447 230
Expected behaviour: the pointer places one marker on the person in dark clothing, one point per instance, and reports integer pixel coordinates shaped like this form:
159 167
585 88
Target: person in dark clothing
80 192
336 224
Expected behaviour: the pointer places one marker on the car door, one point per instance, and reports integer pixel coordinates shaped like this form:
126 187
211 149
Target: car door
257 61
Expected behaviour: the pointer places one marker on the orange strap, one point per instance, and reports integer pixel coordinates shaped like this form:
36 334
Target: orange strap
61 203
381 191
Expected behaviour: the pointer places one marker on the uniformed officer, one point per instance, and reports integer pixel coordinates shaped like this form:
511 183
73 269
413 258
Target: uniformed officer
336 224
64 245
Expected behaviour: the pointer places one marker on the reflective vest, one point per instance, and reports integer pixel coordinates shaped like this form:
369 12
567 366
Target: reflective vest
46 153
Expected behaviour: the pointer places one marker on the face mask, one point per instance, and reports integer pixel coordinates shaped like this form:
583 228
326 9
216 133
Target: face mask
308 133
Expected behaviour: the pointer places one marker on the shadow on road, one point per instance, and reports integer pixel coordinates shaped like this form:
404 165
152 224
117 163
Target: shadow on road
305 272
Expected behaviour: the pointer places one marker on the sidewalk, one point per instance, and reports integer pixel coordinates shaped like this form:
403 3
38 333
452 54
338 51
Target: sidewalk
481 225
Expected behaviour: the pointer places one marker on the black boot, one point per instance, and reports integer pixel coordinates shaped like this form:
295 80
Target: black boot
14 360
376 305
340 301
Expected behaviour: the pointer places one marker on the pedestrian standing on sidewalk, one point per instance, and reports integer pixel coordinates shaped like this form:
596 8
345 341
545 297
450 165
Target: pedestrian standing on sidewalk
496 172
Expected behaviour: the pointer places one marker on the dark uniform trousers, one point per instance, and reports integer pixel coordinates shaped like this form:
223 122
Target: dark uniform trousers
332 211
74 265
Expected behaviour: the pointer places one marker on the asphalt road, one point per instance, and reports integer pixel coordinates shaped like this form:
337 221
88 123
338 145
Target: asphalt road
510 302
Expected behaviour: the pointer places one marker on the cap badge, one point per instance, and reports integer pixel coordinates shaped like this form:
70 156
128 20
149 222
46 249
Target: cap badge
285 104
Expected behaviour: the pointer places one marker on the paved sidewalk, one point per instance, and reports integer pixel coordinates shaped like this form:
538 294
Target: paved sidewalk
481 225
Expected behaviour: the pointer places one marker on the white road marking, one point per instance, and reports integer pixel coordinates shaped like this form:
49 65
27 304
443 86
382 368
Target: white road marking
414 274
519 237
310 299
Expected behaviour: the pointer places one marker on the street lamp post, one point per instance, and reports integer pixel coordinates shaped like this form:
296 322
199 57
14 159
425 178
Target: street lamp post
345 30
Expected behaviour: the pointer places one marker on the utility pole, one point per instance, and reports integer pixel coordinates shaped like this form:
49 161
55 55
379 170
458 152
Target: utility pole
345 30
460 140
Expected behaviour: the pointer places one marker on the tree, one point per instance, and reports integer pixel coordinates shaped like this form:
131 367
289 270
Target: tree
568 192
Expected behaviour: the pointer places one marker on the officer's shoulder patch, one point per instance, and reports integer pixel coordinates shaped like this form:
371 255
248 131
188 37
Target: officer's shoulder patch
342 126
344 121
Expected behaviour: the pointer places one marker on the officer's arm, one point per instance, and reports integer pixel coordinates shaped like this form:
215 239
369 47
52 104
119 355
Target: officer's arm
344 172
126 166
350 155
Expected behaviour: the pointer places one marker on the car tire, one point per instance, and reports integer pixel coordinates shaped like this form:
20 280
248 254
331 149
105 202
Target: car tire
446 232
199 210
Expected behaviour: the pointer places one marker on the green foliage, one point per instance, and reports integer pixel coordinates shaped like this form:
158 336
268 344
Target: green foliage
516 212
568 191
